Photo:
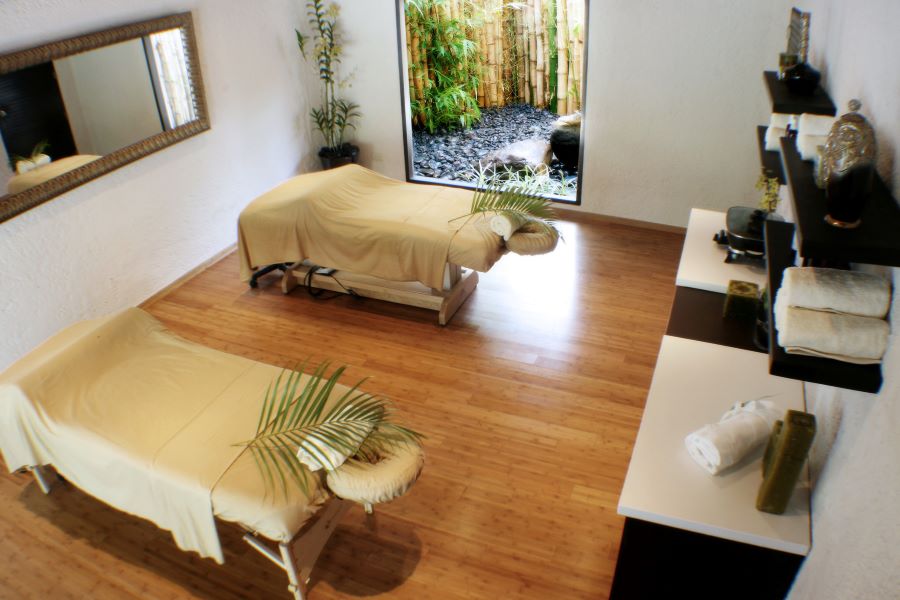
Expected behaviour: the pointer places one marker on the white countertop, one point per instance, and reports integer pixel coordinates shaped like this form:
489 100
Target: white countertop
694 384
703 263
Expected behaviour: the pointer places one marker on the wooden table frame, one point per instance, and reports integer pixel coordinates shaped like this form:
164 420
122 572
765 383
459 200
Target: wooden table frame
459 283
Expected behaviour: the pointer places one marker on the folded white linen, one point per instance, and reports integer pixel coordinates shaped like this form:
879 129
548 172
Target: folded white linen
808 145
835 290
506 224
809 124
848 338
746 426
773 138
783 121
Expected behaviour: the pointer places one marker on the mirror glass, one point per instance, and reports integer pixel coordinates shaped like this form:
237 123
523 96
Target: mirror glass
80 114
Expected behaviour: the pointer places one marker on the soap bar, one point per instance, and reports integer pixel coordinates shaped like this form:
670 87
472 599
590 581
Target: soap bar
741 300
783 461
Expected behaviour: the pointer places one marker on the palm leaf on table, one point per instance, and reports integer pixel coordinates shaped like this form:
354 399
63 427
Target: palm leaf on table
518 200
292 416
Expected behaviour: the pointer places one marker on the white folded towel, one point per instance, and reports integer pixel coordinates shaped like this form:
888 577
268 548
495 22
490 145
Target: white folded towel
848 338
809 124
506 224
783 121
835 290
773 138
746 426
808 145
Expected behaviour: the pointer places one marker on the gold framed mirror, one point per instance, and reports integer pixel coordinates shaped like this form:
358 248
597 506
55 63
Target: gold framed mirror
75 109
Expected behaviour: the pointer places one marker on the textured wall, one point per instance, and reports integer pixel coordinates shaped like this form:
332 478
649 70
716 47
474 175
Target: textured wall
856 502
119 239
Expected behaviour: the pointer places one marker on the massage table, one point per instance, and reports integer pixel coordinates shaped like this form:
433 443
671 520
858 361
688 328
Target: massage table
149 423
379 237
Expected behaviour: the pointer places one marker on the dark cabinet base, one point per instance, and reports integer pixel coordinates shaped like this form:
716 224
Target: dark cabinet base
656 562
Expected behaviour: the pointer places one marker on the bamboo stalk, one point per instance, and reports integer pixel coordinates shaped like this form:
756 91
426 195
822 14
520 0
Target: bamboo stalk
562 60
416 67
490 35
500 49
520 54
532 55
504 58
540 99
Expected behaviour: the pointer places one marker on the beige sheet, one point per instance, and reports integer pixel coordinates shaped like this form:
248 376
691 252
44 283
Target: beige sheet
356 220
146 422
20 183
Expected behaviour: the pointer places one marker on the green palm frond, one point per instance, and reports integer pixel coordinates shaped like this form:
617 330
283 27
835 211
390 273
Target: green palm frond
307 417
519 200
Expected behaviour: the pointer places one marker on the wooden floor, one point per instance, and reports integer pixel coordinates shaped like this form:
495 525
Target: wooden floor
531 399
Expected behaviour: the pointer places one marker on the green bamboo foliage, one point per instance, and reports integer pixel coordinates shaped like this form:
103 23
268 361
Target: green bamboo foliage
469 54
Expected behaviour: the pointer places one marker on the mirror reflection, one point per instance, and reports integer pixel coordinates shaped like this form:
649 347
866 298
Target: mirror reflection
59 115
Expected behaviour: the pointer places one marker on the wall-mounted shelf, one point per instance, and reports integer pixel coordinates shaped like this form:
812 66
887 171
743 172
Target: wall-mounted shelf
787 102
876 241
771 161
865 378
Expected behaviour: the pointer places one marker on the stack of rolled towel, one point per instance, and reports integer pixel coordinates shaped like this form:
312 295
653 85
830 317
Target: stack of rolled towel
746 426
833 314
812 132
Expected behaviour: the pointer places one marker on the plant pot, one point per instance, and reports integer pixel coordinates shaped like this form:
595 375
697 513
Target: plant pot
338 157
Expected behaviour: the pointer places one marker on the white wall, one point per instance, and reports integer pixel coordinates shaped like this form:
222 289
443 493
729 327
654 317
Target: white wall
109 97
856 502
117 240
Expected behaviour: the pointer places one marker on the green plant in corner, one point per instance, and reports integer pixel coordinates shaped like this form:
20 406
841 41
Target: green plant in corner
335 115
301 417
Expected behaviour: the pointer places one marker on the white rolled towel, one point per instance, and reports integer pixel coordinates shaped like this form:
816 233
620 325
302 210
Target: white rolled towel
836 290
746 426
809 124
783 121
848 338
808 145
773 138
23 166
506 224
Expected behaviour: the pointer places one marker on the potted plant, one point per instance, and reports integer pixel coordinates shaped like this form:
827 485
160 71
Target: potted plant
335 114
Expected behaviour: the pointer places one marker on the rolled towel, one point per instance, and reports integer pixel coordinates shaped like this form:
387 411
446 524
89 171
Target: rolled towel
848 338
506 224
773 138
835 290
783 121
746 426
808 145
809 124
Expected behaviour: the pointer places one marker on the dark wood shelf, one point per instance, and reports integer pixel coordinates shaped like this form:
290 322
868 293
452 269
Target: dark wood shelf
876 241
697 315
787 102
865 378
771 160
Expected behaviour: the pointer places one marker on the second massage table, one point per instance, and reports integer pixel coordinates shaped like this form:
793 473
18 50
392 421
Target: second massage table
386 239
148 422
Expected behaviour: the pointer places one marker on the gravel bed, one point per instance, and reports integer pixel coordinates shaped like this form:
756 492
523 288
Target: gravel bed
455 154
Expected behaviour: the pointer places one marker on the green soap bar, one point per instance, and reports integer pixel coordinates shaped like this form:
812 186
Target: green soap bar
783 462
741 300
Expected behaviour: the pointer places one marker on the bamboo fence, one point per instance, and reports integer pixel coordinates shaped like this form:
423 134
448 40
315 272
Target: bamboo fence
526 51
